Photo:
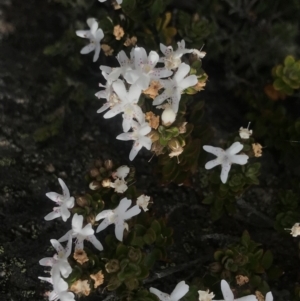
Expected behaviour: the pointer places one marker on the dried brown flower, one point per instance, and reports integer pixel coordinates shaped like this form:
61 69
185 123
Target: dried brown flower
130 41
118 32
241 280
259 296
152 119
157 148
257 149
199 86
80 256
81 287
108 51
98 278
153 89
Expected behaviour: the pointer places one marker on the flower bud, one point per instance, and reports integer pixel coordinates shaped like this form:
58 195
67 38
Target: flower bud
168 116
174 144
94 172
82 201
154 136
95 185
91 219
106 183
108 164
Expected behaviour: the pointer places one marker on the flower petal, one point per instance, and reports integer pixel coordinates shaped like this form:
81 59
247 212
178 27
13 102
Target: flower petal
226 291
161 296
235 148
226 165
165 50
135 210
181 73
160 98
103 214
88 48
161 73
97 244
120 90
269 296
53 196
65 213
90 22
134 93
87 230
52 215
145 142
65 268
77 222
140 57
180 290
188 82
239 159
83 34
153 58
66 236
65 189
47 261
247 298
119 229
211 164
125 136
97 53
217 151
57 246
134 151
103 225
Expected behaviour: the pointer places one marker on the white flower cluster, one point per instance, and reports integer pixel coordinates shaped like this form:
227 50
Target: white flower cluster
60 267
138 72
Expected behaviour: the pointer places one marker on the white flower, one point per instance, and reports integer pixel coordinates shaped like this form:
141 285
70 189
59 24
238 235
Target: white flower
172 58
226 158
122 172
128 104
228 294
205 295
119 185
295 231
168 116
245 133
174 87
179 291
63 201
143 202
139 135
81 234
145 70
59 262
117 217
200 54
60 291
95 36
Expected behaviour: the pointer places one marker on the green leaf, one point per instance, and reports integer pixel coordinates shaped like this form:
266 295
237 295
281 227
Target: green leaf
208 200
155 225
289 61
267 260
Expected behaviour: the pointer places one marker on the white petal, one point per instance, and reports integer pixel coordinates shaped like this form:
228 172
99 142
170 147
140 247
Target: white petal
188 82
140 56
160 98
70 202
77 223
211 164
83 34
138 113
115 110
134 93
131 76
68 248
235 148
161 73
134 151
269 296
103 225
182 71
99 35
226 165
247 298
123 206
119 229
56 245
53 196
60 285
97 244
87 230
104 107
126 124
65 213
135 210
65 268
217 151
122 58
125 137
88 48
103 214
153 58
143 81
90 22
180 290
52 215
67 296
66 236
94 27
97 52
175 101
48 261
165 50
239 159
145 142
65 189
120 90
161 296
226 291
